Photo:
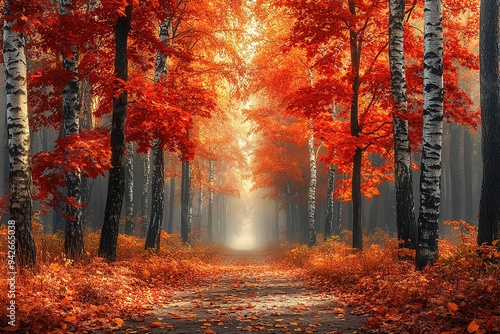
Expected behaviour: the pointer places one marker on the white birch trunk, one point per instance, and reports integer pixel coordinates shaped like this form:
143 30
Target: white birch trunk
200 208
311 196
146 160
21 205
430 179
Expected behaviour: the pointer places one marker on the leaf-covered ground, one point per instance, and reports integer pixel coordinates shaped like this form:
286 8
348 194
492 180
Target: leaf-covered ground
250 292
205 289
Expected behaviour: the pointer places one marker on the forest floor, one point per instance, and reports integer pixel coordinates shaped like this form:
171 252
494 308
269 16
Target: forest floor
248 291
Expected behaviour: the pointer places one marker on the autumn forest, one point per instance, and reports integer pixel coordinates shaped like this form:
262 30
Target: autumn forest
232 166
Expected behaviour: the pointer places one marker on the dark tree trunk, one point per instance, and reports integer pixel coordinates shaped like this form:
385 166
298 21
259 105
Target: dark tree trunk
456 193
170 227
290 236
355 45
405 212
158 193
185 201
116 183
489 206
468 176
129 185
276 228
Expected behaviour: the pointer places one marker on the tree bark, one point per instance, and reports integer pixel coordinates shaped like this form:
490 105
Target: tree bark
145 193
129 184
21 205
157 205
186 211
468 176
430 179
457 191
170 227
405 211
211 177
489 206
311 195
330 203
355 46
200 208
73 242
116 182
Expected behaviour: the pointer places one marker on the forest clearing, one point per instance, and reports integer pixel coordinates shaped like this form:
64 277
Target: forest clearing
271 166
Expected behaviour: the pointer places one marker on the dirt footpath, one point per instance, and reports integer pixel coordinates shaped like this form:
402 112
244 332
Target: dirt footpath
250 293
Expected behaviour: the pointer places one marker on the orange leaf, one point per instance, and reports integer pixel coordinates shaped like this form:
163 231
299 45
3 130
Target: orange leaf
209 331
119 321
155 324
70 319
473 326
452 307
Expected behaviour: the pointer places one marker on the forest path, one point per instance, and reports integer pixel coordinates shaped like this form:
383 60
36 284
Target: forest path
249 292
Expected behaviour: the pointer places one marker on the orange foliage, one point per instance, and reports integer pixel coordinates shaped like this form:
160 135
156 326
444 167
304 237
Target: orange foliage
460 293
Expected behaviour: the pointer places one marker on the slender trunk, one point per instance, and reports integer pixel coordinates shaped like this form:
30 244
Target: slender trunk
153 237
456 193
200 208
430 179
405 211
289 213
373 217
185 201
211 177
330 203
276 229
73 242
146 160
21 204
468 176
170 227
129 185
116 182
355 45
87 123
219 211
489 205
311 196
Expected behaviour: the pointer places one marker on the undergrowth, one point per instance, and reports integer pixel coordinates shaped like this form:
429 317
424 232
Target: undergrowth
459 294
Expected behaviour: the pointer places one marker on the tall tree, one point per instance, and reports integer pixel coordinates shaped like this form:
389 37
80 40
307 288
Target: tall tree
21 205
73 242
116 183
430 177
405 212
330 203
356 46
489 207
186 208
311 196
145 193
158 188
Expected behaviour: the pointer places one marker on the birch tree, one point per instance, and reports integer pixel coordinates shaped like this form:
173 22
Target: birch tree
489 206
430 177
145 193
158 187
405 212
311 195
73 242
211 179
21 205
